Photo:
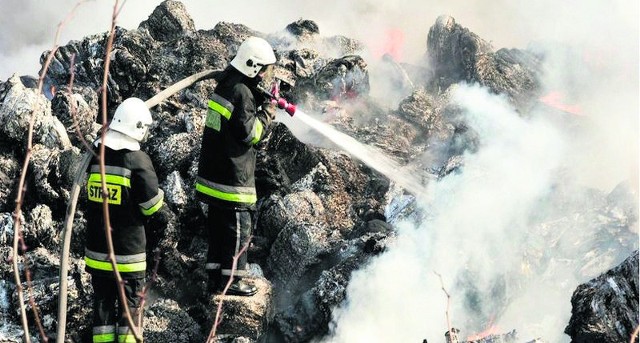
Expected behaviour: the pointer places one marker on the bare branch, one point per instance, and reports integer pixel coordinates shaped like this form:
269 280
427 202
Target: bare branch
634 335
143 294
74 110
218 319
453 337
19 200
105 203
66 245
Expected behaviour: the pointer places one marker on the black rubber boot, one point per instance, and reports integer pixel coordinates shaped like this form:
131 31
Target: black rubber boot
239 287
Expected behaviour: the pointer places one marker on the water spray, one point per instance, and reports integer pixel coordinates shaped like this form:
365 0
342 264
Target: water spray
366 154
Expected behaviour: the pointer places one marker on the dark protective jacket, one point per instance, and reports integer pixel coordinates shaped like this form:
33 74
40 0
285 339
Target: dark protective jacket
133 197
228 156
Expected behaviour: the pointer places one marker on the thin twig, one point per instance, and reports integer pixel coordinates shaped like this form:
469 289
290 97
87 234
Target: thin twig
34 307
73 111
634 335
18 237
105 203
234 265
143 294
452 335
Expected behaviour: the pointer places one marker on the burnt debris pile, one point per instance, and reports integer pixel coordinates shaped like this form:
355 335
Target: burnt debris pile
321 213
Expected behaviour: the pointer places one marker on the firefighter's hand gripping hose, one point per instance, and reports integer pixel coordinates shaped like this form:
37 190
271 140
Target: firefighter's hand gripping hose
282 103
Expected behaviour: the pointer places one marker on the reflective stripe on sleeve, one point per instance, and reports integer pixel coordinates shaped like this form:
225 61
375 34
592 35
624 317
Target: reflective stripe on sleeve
256 133
221 105
152 206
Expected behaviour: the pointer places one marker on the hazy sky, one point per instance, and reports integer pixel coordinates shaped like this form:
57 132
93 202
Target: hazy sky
611 26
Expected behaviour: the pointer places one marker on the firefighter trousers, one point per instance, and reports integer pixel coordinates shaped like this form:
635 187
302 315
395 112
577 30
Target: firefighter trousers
228 233
107 311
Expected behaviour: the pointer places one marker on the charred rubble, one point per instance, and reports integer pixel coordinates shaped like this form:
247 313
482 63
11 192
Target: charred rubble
321 213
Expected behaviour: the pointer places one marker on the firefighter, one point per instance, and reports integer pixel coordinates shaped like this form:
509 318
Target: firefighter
134 202
237 119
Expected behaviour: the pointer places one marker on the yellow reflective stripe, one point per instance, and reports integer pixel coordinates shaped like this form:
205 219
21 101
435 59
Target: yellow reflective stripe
100 256
111 170
257 134
235 197
104 338
153 209
113 179
122 267
126 338
220 109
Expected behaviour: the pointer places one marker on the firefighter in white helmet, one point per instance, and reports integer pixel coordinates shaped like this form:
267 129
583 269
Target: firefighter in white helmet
238 118
134 202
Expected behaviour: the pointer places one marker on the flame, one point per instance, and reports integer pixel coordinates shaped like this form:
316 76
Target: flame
490 330
554 99
391 44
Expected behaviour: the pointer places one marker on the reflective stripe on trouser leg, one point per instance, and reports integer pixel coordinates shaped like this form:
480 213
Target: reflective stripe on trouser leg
242 231
132 290
125 335
212 266
239 244
104 309
104 334
237 273
238 238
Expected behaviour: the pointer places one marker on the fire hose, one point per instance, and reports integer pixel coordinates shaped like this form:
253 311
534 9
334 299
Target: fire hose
274 95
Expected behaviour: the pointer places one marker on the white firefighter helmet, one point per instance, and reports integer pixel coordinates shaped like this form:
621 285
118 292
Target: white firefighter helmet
253 54
132 118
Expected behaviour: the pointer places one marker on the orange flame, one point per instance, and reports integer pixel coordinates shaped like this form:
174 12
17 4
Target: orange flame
554 99
491 330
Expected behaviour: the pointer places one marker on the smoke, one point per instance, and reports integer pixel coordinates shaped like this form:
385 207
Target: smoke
473 236
478 230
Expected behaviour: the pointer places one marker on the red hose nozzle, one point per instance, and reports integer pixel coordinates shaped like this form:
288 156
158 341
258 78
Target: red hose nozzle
282 103
286 106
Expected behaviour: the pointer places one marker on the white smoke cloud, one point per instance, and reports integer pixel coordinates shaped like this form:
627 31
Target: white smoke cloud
476 221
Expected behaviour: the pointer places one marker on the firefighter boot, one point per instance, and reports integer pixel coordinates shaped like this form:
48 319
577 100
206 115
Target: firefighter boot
239 287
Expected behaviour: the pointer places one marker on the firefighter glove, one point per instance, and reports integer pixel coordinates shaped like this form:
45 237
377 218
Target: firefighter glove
161 228
269 109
